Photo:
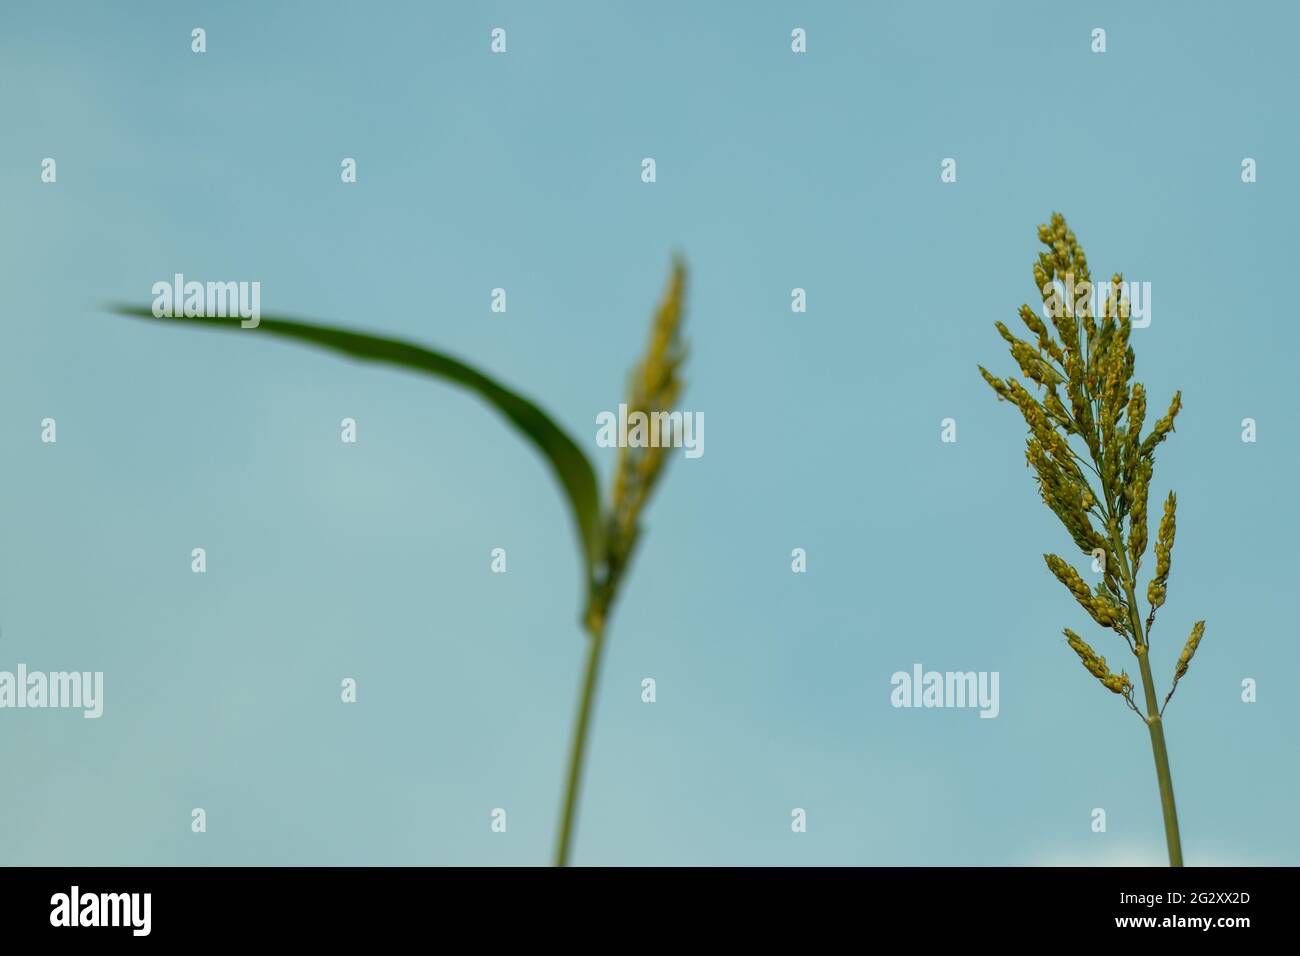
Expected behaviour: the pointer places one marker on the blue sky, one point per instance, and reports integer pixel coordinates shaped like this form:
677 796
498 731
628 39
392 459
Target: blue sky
522 171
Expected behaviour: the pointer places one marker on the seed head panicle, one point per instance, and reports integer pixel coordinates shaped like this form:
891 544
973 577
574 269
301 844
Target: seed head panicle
654 385
1080 360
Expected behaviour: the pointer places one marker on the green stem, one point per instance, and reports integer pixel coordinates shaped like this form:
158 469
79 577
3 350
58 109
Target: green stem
595 644
1163 778
1154 723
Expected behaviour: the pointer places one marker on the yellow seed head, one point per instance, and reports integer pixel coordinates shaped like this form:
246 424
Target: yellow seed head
654 386
1164 552
1096 666
1189 650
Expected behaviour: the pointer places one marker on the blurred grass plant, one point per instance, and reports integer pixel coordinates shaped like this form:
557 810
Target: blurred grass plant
1094 431
607 537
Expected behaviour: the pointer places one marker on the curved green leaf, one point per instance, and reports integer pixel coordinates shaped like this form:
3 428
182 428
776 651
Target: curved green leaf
566 459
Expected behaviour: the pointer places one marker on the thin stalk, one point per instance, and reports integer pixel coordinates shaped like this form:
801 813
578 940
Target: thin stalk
595 645
1155 724
1163 777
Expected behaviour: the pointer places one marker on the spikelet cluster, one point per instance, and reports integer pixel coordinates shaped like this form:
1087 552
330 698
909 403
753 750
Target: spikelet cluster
1115 683
1098 604
1164 550
1189 650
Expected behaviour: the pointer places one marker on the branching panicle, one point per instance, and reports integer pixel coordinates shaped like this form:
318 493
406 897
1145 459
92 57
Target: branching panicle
1091 358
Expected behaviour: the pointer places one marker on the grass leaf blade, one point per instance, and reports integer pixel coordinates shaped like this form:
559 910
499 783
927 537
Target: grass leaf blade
567 461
